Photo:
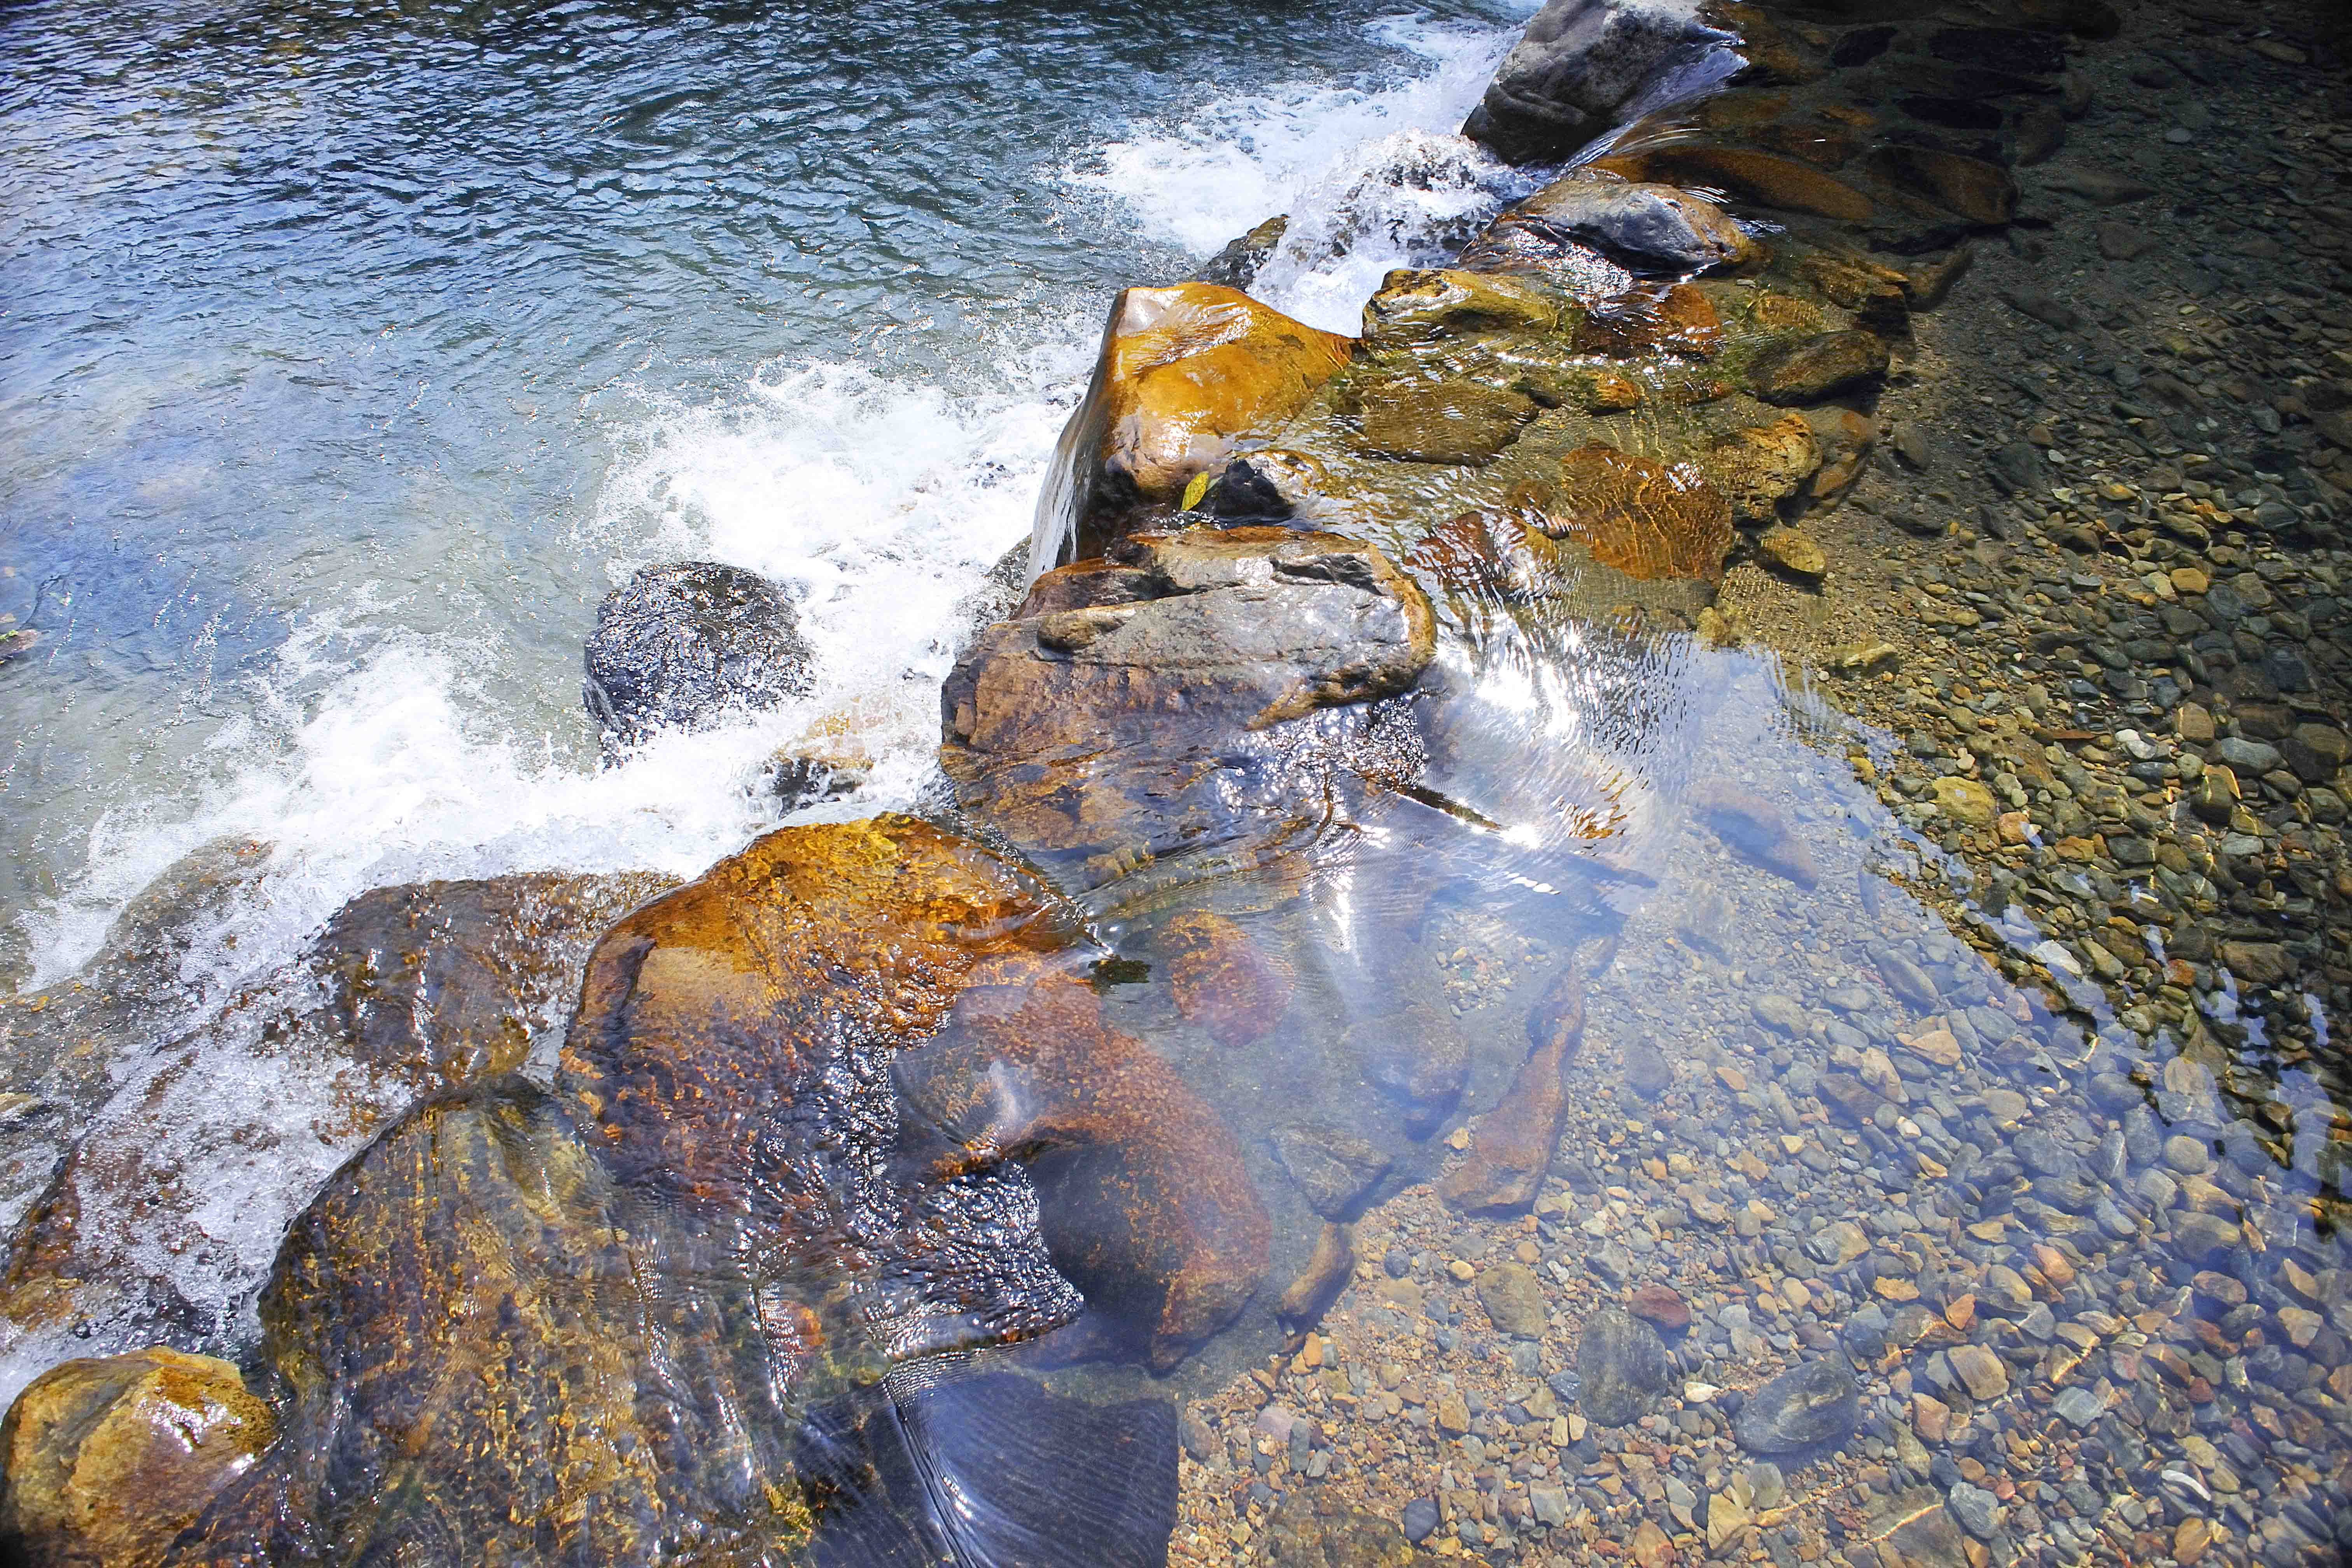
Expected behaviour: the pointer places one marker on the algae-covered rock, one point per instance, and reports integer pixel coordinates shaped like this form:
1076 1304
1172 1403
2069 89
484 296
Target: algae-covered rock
1138 705
107 1460
1512 1146
1182 371
1760 179
1759 467
1444 421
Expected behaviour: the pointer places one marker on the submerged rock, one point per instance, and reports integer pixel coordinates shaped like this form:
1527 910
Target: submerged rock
108 1460
1623 1366
1512 1146
1644 517
1147 1206
407 990
679 646
1807 1406
1186 692
1221 982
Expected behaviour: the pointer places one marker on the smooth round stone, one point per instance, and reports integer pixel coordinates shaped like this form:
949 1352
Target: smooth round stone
2186 1154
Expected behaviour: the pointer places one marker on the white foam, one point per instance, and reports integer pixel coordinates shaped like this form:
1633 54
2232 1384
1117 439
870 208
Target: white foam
1371 173
376 755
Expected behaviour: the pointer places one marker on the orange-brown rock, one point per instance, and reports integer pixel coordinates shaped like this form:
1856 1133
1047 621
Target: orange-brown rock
1134 706
1845 439
1319 1282
593 1323
1183 372
1880 296
1806 370
107 1460
1764 179
1646 519
1148 1204
1221 982
1759 467
1677 319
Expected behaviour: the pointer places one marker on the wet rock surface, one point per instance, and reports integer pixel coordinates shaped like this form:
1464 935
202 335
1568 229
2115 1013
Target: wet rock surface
109 1460
681 645
718 1141
1189 690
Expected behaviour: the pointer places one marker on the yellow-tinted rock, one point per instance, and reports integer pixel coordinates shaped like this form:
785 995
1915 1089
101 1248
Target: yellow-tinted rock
1183 373
1966 800
1419 306
1444 421
109 1460
1809 369
1979 192
1793 551
1759 467
1646 519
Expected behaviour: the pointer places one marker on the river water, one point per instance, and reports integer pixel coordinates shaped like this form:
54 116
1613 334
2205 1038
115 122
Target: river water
350 357
352 354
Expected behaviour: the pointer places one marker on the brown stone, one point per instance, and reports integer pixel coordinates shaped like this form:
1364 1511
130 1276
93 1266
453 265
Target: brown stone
1763 179
1879 295
1759 467
1979 192
1646 519
1811 369
1661 1305
108 1460
1512 1146
1676 320
1221 982
1846 438
1146 740
1326 1273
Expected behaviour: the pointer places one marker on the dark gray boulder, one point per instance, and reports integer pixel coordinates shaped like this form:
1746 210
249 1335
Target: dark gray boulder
677 647
1586 65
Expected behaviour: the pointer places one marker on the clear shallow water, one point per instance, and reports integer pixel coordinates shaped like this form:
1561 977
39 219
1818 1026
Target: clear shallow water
352 355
